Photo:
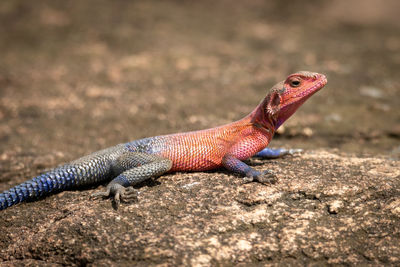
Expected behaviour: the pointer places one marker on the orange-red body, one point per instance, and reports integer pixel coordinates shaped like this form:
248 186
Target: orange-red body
204 150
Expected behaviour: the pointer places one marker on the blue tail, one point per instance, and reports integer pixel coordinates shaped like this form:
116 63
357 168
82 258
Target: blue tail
59 179
42 185
88 170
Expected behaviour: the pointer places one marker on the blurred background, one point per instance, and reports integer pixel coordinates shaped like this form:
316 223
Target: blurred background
78 76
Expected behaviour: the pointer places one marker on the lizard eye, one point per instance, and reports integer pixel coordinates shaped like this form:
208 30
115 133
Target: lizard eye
294 83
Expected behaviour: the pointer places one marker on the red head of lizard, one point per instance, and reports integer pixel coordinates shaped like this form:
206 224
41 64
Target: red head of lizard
286 97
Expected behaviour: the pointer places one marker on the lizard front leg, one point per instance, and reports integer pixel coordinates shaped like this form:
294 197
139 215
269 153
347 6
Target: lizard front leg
133 168
271 153
233 164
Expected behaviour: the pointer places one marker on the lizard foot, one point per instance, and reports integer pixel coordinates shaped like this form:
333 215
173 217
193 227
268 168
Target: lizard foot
125 194
265 177
120 193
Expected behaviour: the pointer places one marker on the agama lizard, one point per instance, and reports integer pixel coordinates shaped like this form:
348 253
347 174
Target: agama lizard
225 146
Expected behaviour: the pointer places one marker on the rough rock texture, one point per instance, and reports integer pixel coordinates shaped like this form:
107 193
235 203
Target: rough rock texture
327 208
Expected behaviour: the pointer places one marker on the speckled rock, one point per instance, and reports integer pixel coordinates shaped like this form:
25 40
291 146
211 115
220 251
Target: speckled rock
327 208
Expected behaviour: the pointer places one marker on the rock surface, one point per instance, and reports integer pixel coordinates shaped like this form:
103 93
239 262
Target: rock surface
327 208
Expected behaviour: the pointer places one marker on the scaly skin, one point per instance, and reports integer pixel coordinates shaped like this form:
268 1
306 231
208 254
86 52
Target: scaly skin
225 146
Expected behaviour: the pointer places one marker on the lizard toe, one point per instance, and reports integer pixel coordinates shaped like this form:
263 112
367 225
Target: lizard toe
117 199
129 194
101 194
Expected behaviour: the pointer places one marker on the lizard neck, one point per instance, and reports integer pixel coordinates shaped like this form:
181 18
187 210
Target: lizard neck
248 136
262 120
255 124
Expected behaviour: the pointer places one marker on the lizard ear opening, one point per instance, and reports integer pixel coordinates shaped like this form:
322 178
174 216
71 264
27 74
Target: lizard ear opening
273 104
273 107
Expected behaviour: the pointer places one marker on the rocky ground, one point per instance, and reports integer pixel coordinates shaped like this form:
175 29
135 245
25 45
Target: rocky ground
78 76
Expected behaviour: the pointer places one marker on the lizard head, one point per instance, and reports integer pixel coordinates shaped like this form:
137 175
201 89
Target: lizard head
287 96
293 92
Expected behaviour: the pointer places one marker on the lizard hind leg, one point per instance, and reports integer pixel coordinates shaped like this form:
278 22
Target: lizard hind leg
132 168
